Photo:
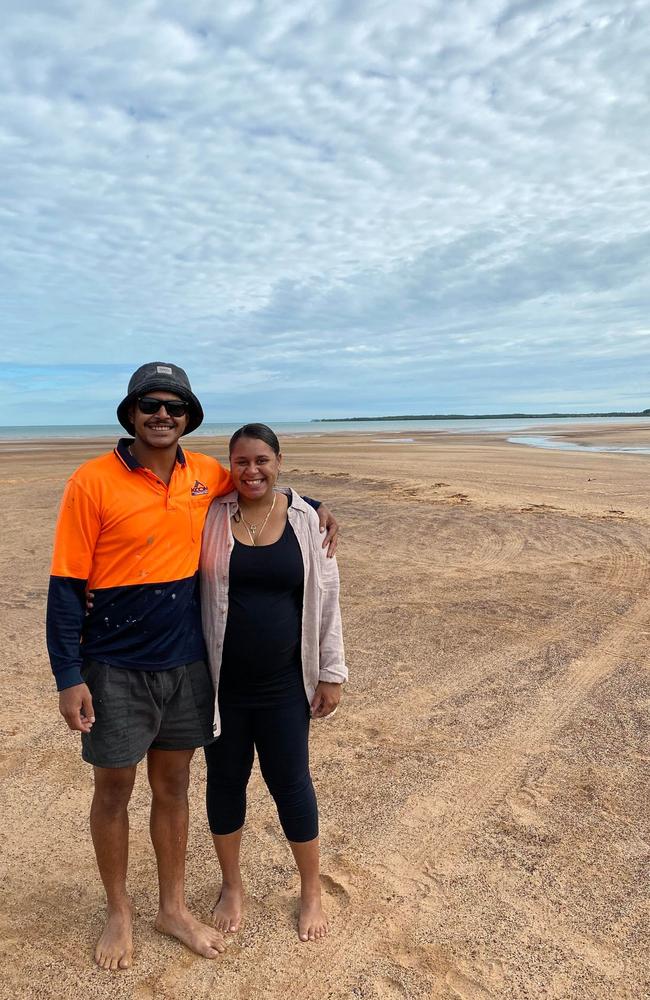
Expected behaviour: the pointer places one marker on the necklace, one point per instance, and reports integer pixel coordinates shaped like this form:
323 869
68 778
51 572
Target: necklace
253 533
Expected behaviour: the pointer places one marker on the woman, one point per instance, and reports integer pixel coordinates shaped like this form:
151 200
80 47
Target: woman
272 626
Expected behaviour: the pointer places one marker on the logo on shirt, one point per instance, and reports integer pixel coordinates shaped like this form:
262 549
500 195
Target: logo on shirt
199 489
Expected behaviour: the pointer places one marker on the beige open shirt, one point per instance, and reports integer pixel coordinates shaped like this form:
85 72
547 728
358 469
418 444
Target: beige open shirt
323 658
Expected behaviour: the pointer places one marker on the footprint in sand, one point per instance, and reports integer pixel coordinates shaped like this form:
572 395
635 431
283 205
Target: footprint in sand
334 888
338 881
466 988
389 989
527 803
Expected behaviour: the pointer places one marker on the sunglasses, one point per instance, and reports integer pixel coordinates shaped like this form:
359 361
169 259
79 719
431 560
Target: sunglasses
174 407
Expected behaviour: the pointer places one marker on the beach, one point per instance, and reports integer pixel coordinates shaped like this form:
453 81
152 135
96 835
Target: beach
482 788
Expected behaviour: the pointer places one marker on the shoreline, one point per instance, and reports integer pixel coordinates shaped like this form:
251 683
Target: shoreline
312 429
586 436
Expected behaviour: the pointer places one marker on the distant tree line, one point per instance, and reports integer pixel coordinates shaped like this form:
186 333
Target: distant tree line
477 416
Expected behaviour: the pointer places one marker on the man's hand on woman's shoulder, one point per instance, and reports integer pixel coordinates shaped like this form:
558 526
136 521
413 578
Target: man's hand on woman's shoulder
330 526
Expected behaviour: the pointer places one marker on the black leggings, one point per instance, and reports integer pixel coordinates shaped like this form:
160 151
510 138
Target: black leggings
280 734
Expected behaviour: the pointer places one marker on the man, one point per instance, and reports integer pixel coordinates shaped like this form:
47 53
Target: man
131 674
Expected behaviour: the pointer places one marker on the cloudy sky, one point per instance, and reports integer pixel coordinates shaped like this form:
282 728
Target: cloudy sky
342 207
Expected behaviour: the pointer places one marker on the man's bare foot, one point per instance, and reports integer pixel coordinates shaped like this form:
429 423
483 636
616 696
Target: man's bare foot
198 937
228 910
312 921
115 946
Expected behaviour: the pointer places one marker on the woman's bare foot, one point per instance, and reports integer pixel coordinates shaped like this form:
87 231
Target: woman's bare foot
198 937
115 946
312 921
228 910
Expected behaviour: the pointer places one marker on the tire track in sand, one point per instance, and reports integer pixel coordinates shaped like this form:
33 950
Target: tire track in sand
460 800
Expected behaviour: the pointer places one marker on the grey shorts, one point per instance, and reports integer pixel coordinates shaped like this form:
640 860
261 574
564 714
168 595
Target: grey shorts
141 710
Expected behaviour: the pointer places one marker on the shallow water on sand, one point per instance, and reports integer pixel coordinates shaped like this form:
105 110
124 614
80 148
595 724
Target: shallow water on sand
539 441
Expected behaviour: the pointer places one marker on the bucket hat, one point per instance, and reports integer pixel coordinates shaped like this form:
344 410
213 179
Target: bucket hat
165 376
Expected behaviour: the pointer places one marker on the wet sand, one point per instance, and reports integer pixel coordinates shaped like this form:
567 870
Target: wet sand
483 788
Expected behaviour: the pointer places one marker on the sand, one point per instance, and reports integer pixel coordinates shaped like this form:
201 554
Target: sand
483 804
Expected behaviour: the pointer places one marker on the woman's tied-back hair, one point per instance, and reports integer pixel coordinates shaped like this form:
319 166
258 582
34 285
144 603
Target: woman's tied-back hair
259 431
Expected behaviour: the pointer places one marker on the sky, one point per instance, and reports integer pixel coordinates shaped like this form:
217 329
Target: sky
332 208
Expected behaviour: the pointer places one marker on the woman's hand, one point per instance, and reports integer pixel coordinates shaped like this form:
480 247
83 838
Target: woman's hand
325 700
329 524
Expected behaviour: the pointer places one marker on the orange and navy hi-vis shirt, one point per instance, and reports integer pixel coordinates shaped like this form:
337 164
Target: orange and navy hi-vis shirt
135 543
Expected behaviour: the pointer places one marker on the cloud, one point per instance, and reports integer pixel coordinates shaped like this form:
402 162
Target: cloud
319 205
